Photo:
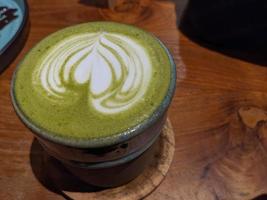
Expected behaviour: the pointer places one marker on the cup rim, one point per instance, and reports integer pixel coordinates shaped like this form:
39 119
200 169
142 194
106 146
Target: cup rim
108 140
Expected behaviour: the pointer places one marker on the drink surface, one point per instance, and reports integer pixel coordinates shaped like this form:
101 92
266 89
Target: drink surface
92 80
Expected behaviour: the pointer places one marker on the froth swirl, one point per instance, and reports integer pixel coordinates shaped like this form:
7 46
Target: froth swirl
114 69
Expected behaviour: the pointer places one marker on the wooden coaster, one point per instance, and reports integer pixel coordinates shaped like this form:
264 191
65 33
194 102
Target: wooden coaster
145 183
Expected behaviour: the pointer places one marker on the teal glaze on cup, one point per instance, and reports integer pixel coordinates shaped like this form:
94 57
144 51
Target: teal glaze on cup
102 154
13 35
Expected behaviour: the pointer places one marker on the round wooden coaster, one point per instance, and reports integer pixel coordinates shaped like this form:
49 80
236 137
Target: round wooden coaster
145 183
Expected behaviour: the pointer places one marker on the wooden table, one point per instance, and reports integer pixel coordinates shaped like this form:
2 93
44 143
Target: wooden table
218 112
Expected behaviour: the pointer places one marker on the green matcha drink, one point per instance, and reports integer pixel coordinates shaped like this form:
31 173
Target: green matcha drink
92 80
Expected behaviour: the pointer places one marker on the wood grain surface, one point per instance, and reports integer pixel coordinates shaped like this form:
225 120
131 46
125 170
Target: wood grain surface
219 112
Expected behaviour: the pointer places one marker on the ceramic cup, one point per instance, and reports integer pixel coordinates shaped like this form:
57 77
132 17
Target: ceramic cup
113 160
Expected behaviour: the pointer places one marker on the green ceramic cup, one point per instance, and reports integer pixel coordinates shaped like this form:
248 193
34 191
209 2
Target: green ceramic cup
114 159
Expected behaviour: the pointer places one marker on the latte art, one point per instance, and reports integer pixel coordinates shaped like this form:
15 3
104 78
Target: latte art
93 80
114 69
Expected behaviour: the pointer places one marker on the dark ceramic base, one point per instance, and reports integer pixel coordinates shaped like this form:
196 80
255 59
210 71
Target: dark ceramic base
116 175
54 176
112 166
107 153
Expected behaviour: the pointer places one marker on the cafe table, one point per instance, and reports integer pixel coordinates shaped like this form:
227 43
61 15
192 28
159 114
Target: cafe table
218 113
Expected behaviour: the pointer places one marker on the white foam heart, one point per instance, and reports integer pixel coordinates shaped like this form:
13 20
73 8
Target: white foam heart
116 68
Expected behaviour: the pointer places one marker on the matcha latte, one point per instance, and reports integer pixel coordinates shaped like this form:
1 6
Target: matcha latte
92 80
